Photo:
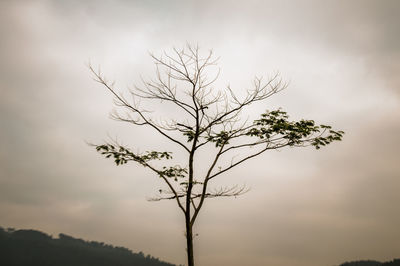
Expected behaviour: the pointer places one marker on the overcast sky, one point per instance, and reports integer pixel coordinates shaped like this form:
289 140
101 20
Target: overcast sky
305 207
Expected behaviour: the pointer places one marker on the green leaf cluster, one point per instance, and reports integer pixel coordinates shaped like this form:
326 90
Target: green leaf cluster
332 136
220 139
173 171
190 134
122 155
275 124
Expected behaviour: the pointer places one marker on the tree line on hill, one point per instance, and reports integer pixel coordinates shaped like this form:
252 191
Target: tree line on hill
32 248
395 262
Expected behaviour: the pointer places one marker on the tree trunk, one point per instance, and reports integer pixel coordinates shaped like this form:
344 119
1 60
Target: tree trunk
189 242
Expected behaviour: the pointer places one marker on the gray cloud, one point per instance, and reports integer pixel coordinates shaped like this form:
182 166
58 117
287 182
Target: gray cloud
305 207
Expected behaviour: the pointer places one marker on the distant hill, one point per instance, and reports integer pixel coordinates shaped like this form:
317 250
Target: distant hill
34 248
362 263
395 262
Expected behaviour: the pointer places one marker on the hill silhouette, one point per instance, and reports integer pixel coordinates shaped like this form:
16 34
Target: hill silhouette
33 248
395 262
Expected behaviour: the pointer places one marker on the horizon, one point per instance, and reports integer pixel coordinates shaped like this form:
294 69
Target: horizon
62 236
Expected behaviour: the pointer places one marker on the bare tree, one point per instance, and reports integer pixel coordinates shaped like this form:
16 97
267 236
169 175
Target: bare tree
207 118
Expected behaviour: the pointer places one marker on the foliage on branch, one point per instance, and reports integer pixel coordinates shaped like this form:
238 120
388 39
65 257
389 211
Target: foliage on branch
190 134
173 171
220 139
274 126
122 155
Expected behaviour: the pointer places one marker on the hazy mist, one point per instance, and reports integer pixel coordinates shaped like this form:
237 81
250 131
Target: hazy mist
305 207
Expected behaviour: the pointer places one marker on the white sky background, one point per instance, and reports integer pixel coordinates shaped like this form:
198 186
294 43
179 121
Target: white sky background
305 208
